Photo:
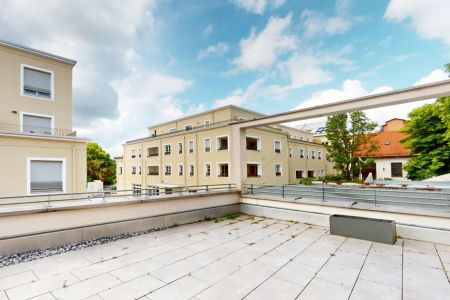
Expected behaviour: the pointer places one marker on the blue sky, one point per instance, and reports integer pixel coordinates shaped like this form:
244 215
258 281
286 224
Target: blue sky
149 61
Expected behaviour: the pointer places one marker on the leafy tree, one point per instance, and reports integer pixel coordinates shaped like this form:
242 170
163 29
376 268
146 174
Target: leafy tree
100 166
349 136
428 137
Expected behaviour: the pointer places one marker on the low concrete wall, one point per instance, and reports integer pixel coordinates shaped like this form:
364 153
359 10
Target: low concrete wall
21 233
413 226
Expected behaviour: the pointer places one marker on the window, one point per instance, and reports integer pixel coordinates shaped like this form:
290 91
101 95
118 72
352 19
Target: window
222 169
167 170
319 155
277 169
133 153
313 154
387 143
140 152
152 191
152 170
396 170
207 122
152 151
253 143
171 130
120 170
302 153
37 82
46 176
253 170
207 170
306 153
298 174
167 149
180 148
140 170
133 170
207 144
191 146
290 151
36 124
188 127
277 146
311 174
301 138
180 170
222 143
137 190
191 170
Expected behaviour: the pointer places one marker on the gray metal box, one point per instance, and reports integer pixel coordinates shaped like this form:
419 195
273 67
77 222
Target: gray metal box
376 230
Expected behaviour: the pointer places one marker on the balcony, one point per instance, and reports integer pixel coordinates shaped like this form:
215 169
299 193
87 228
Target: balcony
35 130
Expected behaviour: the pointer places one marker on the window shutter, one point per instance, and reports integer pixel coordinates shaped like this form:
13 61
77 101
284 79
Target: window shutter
37 80
46 176
35 124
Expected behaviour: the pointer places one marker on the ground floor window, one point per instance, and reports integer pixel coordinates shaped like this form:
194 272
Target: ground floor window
396 170
223 169
46 176
152 191
253 170
277 170
137 190
311 174
299 174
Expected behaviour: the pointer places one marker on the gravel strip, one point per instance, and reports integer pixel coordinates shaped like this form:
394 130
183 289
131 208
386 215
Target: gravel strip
16 258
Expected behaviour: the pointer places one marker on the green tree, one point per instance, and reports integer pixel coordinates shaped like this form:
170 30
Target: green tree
349 136
100 166
428 137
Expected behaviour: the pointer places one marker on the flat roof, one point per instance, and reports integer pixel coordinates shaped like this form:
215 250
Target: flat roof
38 52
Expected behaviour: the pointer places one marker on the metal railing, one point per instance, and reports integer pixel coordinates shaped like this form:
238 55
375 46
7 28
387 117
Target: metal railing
111 195
355 194
34 130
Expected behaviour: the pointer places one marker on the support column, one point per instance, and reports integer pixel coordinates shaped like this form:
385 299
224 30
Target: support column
238 170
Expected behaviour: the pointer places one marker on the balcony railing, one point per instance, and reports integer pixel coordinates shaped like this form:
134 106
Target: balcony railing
35 130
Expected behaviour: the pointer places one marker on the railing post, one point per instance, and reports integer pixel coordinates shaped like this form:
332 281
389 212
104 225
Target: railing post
206 188
323 192
282 190
251 189
229 187
48 202
375 196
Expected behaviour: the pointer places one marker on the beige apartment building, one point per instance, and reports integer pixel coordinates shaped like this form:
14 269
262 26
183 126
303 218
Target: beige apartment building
39 151
195 150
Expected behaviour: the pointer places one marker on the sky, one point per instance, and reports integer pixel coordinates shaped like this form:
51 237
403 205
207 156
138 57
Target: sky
144 62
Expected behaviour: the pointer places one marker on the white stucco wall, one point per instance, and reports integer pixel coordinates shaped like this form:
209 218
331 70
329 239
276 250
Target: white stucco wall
383 166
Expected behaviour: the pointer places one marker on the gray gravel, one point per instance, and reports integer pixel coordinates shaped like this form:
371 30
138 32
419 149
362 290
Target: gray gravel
12 259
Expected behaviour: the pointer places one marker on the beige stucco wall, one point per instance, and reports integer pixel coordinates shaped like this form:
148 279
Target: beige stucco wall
11 100
383 167
16 150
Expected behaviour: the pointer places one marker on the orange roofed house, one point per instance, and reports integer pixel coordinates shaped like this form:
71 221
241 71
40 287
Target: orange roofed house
391 155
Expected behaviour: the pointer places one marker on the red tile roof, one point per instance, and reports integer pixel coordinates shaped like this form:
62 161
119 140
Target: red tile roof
389 145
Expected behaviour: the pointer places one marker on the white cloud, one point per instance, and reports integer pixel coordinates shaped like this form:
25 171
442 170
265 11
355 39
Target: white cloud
216 50
207 30
355 88
262 49
258 6
305 70
430 19
315 23
240 97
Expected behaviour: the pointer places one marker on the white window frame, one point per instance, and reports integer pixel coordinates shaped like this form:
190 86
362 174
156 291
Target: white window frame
275 148
52 82
164 147
172 130
189 147
63 177
281 169
133 168
182 147
218 169
218 144
159 153
210 169
290 151
204 145
258 142
313 154
188 125
139 170
120 170
191 167
259 171
302 153
22 113
180 166
207 123
133 153
168 165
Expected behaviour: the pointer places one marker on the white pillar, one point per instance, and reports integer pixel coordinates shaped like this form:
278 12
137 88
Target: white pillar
238 170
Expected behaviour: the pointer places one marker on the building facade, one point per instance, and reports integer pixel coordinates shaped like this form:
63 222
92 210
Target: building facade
40 153
195 150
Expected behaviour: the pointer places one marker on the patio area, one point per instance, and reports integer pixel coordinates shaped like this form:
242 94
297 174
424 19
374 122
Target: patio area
240 258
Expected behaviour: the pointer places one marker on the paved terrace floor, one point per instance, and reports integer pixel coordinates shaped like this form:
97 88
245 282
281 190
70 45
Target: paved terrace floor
244 258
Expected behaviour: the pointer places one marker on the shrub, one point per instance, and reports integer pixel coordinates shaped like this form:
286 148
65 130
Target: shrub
306 181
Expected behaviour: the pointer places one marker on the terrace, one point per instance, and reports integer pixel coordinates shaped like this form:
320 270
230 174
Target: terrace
242 257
